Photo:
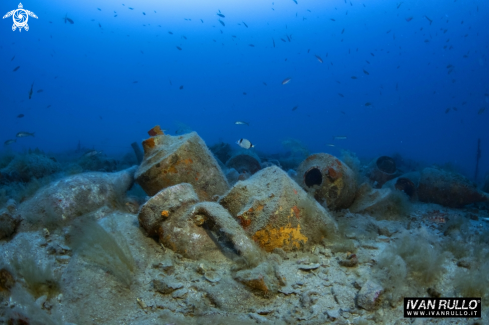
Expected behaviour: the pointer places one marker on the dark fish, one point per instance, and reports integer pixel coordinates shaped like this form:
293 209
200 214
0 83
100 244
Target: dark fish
319 58
288 38
220 15
222 23
399 4
454 108
134 82
341 95
408 19
308 50
447 110
294 108
353 77
283 40
99 25
202 21
343 31
181 87
179 48
264 83
12 58
171 33
99 9
428 19
68 19
16 68
295 1
368 104
20 116
40 91
366 72
244 93
245 24
183 36
144 13
481 110
372 54
273 42
367 61
449 66
30 92
332 19
115 15
48 106
131 8
251 45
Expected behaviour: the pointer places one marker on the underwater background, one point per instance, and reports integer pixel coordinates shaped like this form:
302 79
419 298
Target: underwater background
407 77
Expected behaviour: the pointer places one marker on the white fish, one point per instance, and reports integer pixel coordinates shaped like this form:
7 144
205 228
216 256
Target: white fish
242 123
246 144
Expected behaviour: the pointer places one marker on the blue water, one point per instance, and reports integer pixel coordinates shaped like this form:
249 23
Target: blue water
88 73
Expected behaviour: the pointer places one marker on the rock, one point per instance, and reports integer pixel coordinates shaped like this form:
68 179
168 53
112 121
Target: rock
8 224
232 176
11 205
382 170
166 265
26 167
260 279
330 181
166 285
212 276
448 189
64 200
258 318
173 200
244 163
172 160
485 187
7 281
179 293
195 234
351 260
308 267
368 296
276 212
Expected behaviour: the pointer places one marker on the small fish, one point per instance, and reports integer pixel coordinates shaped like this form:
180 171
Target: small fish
181 87
12 58
134 82
341 95
202 21
99 9
246 144
48 106
408 19
332 19
144 13
20 116
319 58
130 8
30 92
220 15
245 24
339 137
447 110
179 48
91 153
372 54
399 4
69 20
183 36
16 68
343 31
273 42
294 108
24 134
366 72
283 40
449 66
295 1
353 77
368 104
286 81
222 23
428 19
242 123
481 110
99 25
244 93
9 142
330 145
40 91
264 83
251 45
